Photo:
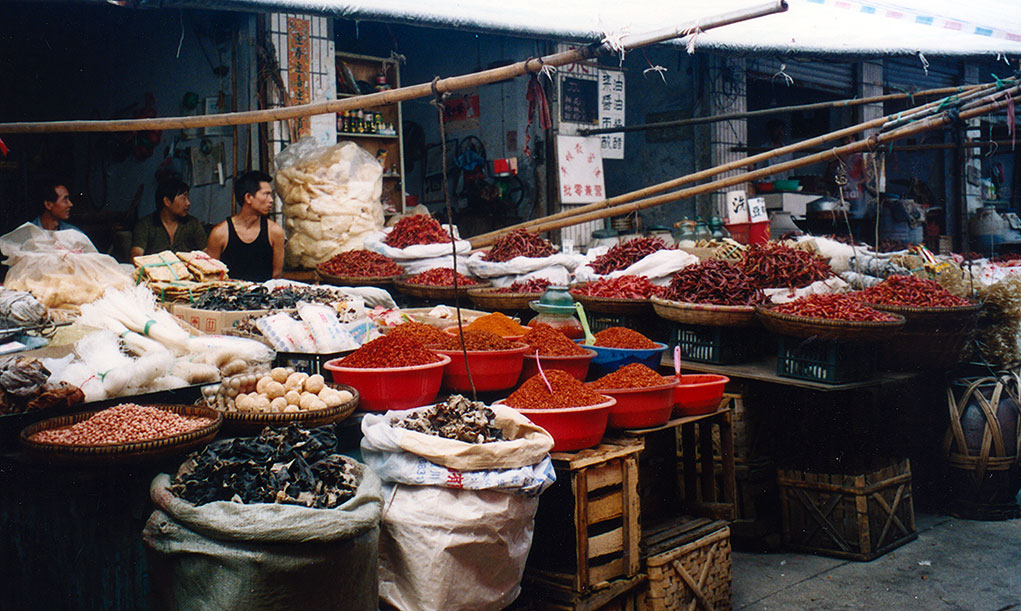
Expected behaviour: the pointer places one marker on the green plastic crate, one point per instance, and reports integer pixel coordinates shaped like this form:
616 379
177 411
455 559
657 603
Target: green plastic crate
718 345
827 362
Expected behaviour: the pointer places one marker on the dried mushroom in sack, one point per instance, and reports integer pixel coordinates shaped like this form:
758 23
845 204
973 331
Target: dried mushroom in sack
259 297
458 418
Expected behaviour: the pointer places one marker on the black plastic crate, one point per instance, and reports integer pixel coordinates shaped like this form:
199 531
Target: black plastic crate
718 345
828 362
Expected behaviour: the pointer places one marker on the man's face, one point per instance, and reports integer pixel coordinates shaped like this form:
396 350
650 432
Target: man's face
179 206
262 200
61 208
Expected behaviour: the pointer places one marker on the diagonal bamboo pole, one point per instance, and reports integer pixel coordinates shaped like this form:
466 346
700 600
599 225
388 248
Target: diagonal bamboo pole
444 85
487 239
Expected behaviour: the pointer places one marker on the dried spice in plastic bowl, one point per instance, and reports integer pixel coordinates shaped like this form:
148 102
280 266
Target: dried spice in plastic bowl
389 351
634 375
568 391
420 332
622 337
544 340
475 340
498 323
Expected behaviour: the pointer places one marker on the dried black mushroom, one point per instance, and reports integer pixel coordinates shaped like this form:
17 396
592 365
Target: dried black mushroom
458 418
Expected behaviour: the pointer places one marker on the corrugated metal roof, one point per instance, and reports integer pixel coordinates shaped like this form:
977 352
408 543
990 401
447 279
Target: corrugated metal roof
861 28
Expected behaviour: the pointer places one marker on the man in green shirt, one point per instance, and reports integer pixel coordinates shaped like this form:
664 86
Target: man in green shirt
169 227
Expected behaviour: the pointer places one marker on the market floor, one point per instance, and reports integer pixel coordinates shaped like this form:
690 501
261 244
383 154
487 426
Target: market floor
954 564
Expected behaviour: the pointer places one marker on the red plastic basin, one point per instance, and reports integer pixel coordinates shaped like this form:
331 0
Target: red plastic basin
490 369
640 408
386 388
577 366
573 428
699 393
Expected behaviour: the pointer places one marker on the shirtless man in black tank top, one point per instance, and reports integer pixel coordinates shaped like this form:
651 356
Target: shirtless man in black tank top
249 243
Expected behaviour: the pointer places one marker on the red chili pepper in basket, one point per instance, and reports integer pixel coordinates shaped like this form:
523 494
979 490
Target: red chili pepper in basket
621 287
440 276
416 229
626 254
911 291
773 265
518 243
713 282
363 263
834 307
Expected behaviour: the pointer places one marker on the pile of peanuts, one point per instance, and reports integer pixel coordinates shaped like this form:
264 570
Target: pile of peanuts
282 390
125 423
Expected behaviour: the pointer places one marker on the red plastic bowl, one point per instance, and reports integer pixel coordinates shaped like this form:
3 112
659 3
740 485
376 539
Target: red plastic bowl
386 388
573 428
490 369
640 408
577 366
699 393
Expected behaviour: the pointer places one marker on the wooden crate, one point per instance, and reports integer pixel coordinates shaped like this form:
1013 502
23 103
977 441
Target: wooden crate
692 572
860 516
586 527
617 595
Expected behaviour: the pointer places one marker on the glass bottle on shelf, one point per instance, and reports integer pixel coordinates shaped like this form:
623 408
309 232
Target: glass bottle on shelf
556 309
718 230
701 230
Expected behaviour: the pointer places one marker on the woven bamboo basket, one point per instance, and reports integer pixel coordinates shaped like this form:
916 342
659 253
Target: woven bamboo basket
342 280
704 313
609 305
932 338
122 452
694 576
489 299
249 423
436 293
826 329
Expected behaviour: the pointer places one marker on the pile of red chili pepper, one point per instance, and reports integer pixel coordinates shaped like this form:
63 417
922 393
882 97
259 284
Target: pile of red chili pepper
634 375
536 285
440 276
834 306
475 340
772 265
713 282
544 340
416 229
518 243
420 332
568 391
621 287
626 254
390 351
622 337
911 291
362 263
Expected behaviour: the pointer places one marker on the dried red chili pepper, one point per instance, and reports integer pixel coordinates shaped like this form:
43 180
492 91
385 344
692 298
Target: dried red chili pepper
361 263
626 254
390 351
440 276
568 391
536 285
911 291
834 307
713 282
544 340
621 287
416 229
635 375
518 243
622 337
774 265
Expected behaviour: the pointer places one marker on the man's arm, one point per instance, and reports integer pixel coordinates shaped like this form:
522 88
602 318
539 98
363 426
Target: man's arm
276 240
217 240
139 238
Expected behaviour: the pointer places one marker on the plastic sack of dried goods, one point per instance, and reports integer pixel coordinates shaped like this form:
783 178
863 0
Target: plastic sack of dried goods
458 517
555 268
60 268
331 199
421 257
230 555
658 267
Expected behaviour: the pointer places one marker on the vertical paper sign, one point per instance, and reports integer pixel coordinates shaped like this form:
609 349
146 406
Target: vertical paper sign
580 170
299 50
611 112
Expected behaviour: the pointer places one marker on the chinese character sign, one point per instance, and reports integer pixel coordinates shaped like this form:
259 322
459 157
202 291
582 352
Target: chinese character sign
580 170
611 112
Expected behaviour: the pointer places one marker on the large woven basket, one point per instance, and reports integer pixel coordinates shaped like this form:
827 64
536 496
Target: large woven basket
436 293
609 305
489 299
249 423
826 329
704 313
122 452
932 338
355 280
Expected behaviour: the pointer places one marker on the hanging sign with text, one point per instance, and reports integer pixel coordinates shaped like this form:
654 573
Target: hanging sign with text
611 112
580 165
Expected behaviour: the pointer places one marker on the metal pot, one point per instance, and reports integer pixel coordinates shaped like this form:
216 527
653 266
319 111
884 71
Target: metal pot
823 204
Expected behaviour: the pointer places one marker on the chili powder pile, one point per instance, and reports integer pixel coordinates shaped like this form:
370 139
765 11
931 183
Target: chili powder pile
518 243
834 307
773 265
626 254
498 323
419 332
621 287
536 285
475 340
634 375
361 263
544 340
913 292
440 276
713 282
389 351
416 229
622 337
568 391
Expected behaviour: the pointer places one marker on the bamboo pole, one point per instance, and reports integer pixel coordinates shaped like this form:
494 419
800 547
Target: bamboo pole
488 238
869 143
392 96
903 148
942 91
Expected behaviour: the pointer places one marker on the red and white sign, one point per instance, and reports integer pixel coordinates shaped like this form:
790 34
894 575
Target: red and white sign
580 169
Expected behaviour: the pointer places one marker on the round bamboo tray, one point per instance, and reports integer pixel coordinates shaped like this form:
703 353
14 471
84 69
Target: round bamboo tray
609 305
356 280
436 293
932 338
122 452
826 329
251 423
949 317
489 299
704 313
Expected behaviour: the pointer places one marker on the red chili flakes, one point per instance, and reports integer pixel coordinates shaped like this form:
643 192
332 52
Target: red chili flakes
634 375
476 340
621 287
911 291
568 391
834 307
622 337
419 332
440 276
544 340
773 265
361 263
416 229
626 254
518 243
390 351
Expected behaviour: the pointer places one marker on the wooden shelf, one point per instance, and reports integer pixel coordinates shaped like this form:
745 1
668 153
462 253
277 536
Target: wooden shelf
357 135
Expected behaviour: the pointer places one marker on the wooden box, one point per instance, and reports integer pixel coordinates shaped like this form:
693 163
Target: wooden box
860 516
693 572
617 595
586 527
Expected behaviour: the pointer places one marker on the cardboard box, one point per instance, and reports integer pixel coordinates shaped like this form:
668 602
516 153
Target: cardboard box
210 321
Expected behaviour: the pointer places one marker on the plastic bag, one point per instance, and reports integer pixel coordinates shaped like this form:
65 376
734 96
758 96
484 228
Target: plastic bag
328 333
60 268
331 199
658 267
